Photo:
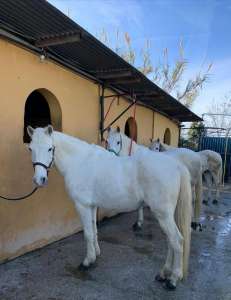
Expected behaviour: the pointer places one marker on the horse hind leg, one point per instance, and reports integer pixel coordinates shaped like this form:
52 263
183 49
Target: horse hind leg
166 271
216 179
139 223
197 205
172 270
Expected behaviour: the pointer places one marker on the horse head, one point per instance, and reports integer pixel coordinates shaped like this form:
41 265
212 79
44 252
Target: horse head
42 152
114 141
155 145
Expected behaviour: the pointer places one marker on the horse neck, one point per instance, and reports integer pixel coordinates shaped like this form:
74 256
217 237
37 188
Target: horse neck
126 144
68 148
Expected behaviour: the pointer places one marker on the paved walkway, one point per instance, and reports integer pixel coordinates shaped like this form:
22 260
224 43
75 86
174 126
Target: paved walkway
128 264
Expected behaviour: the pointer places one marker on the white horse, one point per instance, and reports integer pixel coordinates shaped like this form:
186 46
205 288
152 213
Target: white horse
211 163
96 178
212 171
120 144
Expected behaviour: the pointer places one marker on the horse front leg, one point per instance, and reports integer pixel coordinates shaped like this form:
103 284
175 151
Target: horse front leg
139 223
94 219
86 217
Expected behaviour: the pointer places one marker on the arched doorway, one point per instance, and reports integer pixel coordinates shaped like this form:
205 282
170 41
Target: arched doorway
131 129
41 108
167 136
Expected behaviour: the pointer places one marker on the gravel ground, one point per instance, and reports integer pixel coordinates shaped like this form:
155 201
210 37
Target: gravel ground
128 264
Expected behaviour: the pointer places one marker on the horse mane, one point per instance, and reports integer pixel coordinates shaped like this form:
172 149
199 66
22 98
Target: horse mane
75 144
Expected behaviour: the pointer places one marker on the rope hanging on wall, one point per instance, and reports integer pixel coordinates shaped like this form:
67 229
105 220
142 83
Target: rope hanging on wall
134 118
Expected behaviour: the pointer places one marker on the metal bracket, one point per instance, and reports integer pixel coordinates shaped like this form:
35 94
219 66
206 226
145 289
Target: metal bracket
101 100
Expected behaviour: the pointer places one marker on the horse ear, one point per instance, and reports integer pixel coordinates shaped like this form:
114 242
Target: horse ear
158 140
49 130
118 129
151 140
30 130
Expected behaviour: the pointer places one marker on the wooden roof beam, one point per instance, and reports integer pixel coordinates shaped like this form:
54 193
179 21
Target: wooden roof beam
58 39
148 94
153 97
114 74
125 80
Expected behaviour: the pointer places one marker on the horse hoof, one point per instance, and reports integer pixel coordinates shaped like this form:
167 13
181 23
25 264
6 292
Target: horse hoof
168 285
215 201
83 268
136 227
159 278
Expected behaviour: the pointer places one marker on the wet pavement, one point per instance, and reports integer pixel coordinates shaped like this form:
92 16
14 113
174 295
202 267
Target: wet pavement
128 263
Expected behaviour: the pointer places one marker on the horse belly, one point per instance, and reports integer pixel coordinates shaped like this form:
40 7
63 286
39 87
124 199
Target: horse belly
122 199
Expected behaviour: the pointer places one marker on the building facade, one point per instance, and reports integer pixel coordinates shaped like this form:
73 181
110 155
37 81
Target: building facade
37 90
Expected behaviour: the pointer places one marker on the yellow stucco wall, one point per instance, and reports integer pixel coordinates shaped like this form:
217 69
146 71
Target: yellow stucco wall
144 119
48 215
160 125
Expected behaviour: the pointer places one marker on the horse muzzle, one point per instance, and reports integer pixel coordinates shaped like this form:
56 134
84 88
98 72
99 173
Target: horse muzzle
40 181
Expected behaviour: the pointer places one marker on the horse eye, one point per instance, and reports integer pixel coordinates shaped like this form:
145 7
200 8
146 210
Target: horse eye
118 143
49 150
29 149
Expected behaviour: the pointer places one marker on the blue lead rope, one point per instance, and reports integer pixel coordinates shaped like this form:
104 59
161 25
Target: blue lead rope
113 151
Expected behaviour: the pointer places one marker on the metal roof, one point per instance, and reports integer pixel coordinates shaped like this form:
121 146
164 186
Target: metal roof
41 25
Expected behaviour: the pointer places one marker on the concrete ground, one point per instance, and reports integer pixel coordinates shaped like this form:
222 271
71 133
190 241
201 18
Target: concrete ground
128 263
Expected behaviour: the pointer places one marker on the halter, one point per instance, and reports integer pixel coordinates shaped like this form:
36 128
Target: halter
43 165
113 151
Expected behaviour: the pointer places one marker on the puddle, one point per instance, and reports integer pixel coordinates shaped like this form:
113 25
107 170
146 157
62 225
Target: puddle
81 275
226 214
205 254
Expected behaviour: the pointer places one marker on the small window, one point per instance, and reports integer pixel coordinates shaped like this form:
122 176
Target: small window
167 136
37 113
131 129
41 109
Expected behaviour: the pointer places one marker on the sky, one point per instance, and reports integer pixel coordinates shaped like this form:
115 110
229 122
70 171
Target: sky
203 25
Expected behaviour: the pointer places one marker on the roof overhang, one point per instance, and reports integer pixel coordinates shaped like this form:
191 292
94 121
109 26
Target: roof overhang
39 26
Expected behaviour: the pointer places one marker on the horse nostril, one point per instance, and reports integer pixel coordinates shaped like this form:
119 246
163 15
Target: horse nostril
43 180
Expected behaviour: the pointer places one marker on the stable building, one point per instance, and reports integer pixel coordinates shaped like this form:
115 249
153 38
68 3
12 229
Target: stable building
52 71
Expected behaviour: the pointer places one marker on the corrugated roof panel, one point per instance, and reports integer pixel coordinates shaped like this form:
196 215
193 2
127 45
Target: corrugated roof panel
34 19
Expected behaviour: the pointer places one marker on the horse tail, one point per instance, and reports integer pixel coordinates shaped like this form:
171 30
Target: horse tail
183 216
198 198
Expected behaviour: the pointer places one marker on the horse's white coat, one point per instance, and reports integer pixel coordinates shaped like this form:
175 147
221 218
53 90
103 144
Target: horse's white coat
211 165
95 178
193 163
189 158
